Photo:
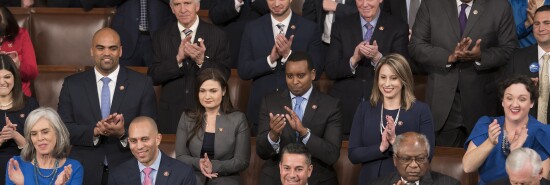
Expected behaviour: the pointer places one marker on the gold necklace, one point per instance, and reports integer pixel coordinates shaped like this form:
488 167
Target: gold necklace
7 104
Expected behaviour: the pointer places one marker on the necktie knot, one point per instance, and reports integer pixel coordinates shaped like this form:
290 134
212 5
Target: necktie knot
187 32
299 100
147 171
545 57
105 80
463 7
368 26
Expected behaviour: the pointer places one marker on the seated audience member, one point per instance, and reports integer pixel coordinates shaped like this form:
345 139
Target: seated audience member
214 138
44 159
150 165
493 138
357 44
410 157
86 4
394 110
304 115
524 15
295 166
16 42
523 166
14 107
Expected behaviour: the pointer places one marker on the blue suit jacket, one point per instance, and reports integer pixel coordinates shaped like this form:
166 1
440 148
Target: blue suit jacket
170 172
80 111
258 40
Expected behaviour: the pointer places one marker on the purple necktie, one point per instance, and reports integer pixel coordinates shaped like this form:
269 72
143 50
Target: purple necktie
462 19
368 34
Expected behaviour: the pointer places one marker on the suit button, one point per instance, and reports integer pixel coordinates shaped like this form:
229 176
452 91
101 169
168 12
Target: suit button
277 90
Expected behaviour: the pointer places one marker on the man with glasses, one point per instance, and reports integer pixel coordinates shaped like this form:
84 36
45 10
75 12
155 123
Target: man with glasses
410 158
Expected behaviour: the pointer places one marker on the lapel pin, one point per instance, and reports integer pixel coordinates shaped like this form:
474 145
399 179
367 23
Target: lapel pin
381 28
292 27
314 107
121 88
166 173
22 115
400 123
221 129
475 12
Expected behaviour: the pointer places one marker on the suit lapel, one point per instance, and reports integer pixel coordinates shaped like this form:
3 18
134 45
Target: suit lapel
175 36
133 177
378 31
90 88
120 90
395 178
452 13
268 30
309 110
403 9
292 26
427 179
357 32
476 11
164 170
200 32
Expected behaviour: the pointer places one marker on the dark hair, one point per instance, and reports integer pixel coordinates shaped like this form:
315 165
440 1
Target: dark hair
298 56
8 26
519 79
225 106
295 148
543 8
17 91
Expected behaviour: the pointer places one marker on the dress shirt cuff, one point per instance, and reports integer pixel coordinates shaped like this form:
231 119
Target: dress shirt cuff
238 5
272 65
199 65
283 61
180 64
275 145
96 141
306 138
352 67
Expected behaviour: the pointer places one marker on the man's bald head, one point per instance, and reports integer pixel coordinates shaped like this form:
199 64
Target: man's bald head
106 50
144 139
106 32
144 122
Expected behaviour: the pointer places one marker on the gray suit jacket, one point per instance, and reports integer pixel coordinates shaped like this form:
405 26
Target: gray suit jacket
429 178
231 143
436 33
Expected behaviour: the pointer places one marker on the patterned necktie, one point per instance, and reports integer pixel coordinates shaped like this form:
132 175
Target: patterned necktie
187 32
105 97
143 15
281 27
415 4
298 110
368 34
462 19
542 110
147 180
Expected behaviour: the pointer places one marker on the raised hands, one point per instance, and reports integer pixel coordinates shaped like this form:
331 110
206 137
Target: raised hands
329 5
14 172
461 52
181 49
493 131
64 176
206 167
520 136
281 48
295 122
388 135
276 123
531 8
195 51
366 50
113 125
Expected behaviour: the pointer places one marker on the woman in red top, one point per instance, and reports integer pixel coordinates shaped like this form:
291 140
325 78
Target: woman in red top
16 42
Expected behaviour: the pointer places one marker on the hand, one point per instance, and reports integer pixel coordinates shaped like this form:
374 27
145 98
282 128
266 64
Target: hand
283 45
531 8
9 131
26 3
493 132
357 53
520 136
64 176
276 124
471 55
390 128
372 52
329 5
181 49
295 122
460 47
14 172
196 51
113 125
274 56
14 56
206 167
384 145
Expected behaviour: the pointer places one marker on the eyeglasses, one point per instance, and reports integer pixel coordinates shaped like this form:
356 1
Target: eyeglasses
409 160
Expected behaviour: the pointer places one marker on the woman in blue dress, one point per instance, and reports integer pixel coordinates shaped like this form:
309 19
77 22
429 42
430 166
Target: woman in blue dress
493 138
392 110
43 160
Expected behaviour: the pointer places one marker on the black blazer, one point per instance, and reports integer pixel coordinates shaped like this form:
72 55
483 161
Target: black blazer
80 111
178 84
430 178
324 122
313 10
390 33
170 172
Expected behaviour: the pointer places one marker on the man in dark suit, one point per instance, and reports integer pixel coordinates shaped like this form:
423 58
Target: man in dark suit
523 166
150 165
410 158
325 12
463 47
232 16
182 49
528 61
301 115
96 104
357 43
136 22
295 165
267 42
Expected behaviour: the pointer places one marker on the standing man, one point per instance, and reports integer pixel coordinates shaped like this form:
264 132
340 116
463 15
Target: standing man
136 21
325 12
295 165
96 104
150 165
533 61
182 49
300 115
267 43
357 43
462 44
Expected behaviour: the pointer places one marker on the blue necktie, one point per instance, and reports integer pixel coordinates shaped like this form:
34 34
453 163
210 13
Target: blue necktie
298 110
105 97
143 15
368 34
462 19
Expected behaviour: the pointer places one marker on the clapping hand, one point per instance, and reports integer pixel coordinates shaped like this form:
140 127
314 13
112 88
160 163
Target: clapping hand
276 123
8 131
294 121
520 136
14 172
64 176
493 132
206 167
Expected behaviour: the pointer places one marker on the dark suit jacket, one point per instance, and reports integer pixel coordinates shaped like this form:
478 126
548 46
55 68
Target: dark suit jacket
392 37
126 23
324 123
435 35
430 178
178 84
398 8
80 111
519 64
231 143
258 40
313 10
223 14
170 172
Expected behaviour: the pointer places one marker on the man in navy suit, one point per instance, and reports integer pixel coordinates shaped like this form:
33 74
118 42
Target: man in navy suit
96 104
326 12
150 165
267 42
182 49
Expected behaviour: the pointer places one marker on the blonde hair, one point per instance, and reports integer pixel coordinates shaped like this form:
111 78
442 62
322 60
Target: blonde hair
399 65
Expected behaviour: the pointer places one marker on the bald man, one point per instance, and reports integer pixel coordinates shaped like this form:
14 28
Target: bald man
96 104
150 165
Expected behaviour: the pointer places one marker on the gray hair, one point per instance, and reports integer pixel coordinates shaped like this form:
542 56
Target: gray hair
62 146
196 1
521 157
409 135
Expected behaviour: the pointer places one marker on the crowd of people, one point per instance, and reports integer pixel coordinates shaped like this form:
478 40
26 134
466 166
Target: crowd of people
109 124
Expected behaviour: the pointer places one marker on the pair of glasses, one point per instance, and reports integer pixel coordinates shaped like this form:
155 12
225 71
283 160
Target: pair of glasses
409 160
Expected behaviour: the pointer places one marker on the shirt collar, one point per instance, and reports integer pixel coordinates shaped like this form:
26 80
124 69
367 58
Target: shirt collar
285 21
113 76
305 96
193 27
540 52
373 22
154 166
415 182
458 3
